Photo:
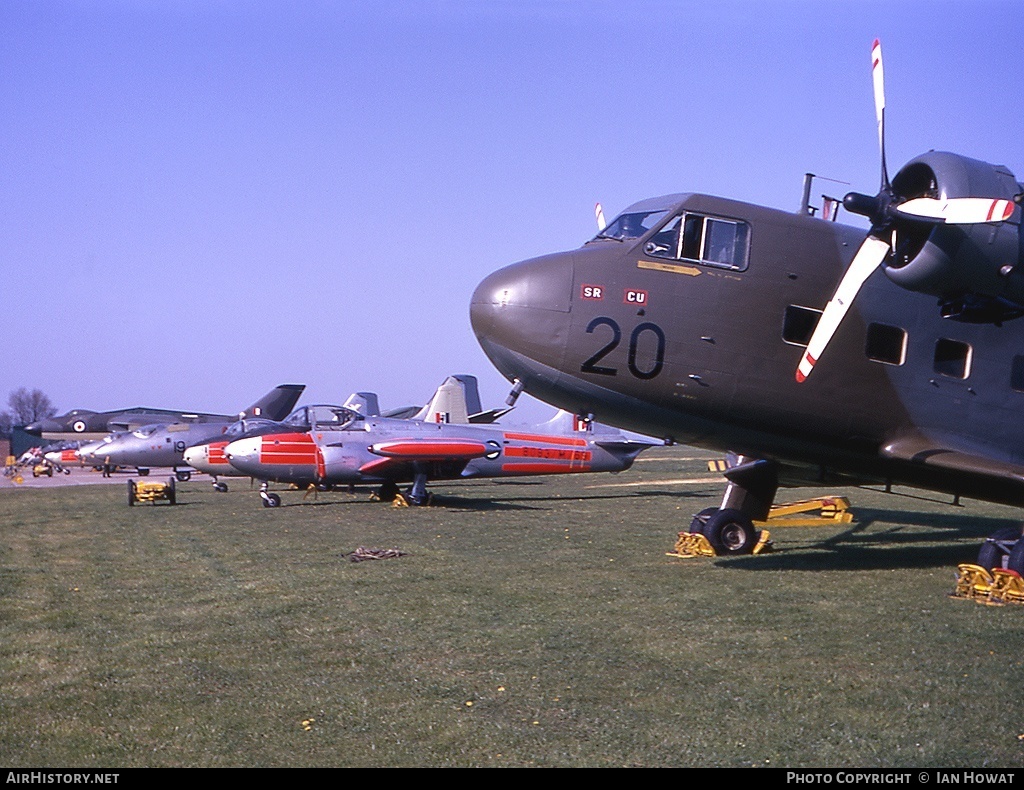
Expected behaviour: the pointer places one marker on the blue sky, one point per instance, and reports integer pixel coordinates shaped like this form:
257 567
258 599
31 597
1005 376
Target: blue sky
203 199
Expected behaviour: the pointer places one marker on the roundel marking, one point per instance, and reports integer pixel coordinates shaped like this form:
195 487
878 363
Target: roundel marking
78 426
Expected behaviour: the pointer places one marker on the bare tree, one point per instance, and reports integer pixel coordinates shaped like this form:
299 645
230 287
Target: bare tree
26 406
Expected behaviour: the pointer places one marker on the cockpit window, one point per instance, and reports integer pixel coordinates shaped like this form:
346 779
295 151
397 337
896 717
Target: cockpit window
323 418
713 241
146 431
631 226
333 418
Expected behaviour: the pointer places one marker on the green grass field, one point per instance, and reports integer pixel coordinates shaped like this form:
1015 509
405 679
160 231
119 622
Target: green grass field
533 622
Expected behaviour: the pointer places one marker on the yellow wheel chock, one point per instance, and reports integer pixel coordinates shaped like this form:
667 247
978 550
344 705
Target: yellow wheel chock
1007 587
995 588
693 544
972 582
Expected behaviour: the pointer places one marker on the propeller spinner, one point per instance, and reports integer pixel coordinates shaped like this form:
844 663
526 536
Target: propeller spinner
887 210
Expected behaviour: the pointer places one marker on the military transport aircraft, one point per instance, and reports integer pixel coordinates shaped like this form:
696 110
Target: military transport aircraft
701 319
342 446
163 444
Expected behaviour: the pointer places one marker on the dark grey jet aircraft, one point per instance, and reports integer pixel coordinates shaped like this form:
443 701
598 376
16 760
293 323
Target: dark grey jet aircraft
164 444
80 424
701 319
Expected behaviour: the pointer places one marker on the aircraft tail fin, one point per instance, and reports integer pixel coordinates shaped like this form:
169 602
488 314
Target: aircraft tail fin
276 404
448 404
472 392
567 422
363 402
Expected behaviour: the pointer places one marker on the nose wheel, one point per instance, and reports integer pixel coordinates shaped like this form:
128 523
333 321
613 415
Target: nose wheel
729 529
270 499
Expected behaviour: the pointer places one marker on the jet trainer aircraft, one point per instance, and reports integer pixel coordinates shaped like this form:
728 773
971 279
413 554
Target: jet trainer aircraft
787 338
457 400
342 446
209 456
164 444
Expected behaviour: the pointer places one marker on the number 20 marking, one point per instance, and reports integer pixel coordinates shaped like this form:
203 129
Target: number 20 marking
591 366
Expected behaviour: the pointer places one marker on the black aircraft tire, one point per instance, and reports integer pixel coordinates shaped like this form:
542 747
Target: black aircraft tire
1015 562
990 555
701 519
143 472
730 533
183 477
272 500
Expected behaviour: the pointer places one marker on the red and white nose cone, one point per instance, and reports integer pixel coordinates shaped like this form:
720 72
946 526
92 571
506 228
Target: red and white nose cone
244 450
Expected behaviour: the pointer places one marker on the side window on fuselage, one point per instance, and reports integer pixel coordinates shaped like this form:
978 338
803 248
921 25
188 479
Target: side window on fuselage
712 241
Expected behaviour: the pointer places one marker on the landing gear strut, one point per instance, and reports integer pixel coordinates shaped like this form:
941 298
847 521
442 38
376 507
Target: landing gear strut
269 498
417 494
729 528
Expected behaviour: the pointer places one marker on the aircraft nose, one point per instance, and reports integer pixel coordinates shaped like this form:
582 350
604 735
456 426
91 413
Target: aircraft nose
522 312
244 454
192 455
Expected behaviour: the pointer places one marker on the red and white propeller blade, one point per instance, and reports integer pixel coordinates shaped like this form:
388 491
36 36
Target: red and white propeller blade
878 81
599 214
868 258
958 211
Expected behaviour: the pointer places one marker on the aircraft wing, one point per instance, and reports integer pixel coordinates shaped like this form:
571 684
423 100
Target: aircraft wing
918 450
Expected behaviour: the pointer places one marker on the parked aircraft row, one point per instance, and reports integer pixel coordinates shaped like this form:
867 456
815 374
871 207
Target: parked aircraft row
324 445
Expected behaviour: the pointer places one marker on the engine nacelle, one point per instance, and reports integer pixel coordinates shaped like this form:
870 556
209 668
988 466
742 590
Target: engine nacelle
960 264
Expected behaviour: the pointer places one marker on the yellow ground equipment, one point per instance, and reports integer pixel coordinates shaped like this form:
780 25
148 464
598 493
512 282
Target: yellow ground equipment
42 469
996 587
11 470
831 510
151 492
